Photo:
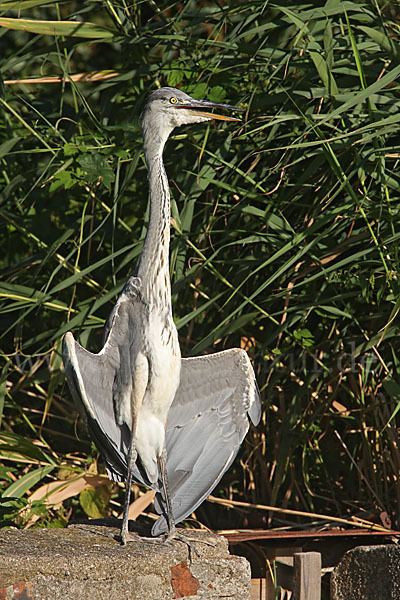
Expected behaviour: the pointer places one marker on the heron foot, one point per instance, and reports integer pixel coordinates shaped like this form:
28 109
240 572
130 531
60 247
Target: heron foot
125 537
170 537
166 538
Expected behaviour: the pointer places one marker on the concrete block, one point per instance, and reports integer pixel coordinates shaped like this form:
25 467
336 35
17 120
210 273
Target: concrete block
368 573
86 561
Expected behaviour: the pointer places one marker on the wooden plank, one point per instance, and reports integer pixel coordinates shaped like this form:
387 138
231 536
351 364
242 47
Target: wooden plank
262 589
307 576
273 536
283 554
257 589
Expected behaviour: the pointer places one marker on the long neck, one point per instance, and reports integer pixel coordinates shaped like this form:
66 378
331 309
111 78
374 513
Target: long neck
154 262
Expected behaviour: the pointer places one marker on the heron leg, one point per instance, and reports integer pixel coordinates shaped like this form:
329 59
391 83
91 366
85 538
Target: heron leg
132 456
164 477
172 532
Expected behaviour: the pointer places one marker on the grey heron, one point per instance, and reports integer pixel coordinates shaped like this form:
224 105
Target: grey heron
175 424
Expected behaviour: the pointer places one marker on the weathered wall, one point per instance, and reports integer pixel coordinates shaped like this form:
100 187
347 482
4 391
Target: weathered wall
85 561
368 573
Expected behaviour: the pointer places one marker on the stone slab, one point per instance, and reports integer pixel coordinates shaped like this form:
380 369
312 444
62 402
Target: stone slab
86 561
368 573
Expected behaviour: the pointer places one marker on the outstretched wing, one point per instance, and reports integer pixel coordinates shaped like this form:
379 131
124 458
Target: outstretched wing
99 383
207 422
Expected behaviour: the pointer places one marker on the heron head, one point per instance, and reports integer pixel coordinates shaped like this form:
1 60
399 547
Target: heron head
168 108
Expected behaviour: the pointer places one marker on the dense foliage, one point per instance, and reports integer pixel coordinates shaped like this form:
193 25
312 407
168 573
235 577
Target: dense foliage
285 235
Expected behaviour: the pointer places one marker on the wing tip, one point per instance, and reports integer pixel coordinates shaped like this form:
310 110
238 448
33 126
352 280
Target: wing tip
254 410
68 343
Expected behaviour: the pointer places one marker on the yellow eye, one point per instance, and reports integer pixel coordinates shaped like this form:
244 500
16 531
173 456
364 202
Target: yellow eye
173 100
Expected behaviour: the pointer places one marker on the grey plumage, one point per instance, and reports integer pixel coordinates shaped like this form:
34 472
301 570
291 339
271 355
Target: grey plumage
173 424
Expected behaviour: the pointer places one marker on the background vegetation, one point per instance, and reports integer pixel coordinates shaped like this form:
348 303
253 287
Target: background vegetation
285 238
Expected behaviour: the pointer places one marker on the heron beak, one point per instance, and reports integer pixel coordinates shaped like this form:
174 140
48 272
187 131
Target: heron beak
202 109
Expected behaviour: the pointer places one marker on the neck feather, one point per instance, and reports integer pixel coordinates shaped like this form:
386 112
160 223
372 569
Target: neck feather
154 262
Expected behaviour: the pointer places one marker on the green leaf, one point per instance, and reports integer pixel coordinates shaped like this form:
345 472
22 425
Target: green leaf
383 40
362 96
333 310
27 482
3 386
302 334
217 94
64 28
97 169
14 445
5 473
24 4
324 72
64 180
175 77
7 146
94 500
10 509
70 149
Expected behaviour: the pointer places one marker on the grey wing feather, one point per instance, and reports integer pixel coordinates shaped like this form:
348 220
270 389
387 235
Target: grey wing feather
97 381
207 422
